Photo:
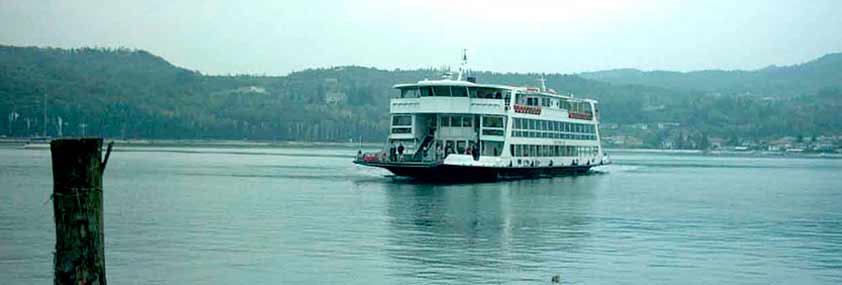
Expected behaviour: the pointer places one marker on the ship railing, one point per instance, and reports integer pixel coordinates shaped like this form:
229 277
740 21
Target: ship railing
406 158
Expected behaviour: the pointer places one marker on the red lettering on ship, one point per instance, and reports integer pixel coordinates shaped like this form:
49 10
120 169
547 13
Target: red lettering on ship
579 115
534 110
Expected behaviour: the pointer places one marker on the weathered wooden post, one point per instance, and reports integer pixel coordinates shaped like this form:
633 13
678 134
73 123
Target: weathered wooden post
77 207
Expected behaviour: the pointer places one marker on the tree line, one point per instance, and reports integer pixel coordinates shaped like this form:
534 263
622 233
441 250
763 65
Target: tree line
133 94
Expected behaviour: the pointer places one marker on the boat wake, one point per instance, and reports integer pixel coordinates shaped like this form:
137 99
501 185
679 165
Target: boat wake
615 168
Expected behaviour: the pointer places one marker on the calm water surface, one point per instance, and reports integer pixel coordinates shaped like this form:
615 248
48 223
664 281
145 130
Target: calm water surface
309 216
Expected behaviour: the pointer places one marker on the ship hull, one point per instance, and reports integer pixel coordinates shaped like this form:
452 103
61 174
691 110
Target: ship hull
444 172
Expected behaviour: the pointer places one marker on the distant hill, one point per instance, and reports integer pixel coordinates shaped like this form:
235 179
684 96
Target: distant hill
134 94
784 81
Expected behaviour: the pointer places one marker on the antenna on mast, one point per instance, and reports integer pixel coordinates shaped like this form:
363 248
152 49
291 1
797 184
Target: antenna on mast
464 66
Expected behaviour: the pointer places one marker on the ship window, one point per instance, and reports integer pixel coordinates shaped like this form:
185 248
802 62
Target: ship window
426 91
445 121
472 92
409 93
491 148
460 146
401 130
564 104
492 121
455 121
487 93
467 121
459 91
489 132
441 90
404 120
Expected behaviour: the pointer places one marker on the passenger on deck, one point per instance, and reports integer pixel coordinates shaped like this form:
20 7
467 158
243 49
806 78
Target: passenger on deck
392 153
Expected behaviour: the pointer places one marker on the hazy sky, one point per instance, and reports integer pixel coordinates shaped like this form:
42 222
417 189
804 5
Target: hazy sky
276 37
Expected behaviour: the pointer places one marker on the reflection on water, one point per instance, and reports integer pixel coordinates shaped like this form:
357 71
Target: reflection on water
511 231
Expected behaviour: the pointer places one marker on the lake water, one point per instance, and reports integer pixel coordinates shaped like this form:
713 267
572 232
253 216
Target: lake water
309 216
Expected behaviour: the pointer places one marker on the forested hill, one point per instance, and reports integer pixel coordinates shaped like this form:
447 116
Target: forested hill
125 93
777 81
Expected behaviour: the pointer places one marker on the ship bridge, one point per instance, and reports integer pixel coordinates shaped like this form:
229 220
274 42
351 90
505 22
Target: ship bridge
451 96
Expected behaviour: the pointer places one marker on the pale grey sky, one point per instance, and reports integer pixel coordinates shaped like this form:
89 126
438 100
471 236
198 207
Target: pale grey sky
276 37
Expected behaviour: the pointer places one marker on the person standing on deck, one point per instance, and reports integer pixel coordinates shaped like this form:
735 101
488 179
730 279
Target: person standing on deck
392 152
400 151
475 151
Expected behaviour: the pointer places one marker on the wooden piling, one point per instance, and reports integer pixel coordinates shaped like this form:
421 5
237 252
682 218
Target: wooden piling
77 208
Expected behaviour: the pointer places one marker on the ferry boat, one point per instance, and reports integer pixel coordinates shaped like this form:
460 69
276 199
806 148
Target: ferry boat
464 130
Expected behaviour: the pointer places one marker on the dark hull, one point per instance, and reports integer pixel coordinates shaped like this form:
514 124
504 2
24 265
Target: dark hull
467 173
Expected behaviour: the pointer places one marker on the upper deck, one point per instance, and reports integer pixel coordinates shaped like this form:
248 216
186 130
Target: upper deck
464 97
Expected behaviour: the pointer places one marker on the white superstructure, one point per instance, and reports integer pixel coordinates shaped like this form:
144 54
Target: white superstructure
456 125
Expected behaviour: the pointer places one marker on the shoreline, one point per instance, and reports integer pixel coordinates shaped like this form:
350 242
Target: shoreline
16 142
211 142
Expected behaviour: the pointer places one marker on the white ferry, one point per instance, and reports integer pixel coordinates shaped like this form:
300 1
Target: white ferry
461 129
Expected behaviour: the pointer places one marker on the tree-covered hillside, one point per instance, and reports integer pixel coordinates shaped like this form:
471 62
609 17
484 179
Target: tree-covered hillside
125 93
786 81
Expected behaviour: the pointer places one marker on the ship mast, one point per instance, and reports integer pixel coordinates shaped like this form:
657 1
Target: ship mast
463 68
